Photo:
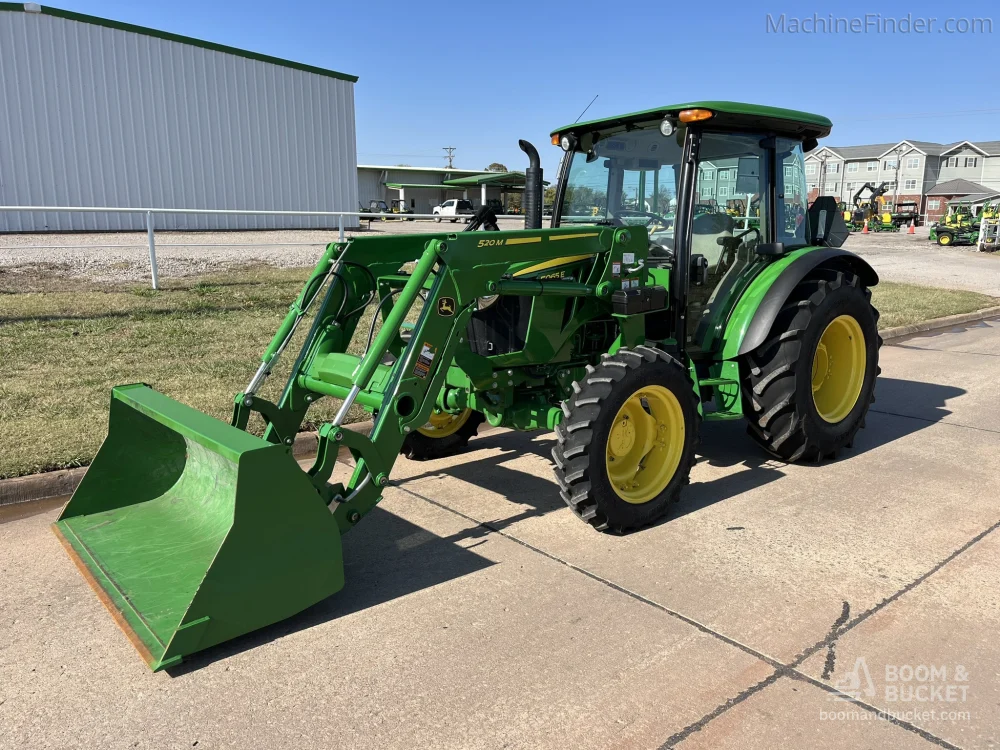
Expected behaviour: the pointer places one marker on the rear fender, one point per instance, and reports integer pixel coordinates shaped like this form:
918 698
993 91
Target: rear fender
758 307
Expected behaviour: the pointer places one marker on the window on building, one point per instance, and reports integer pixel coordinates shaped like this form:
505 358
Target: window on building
889 164
708 174
913 162
852 167
724 191
933 205
873 166
909 184
890 186
952 161
706 192
811 167
833 168
971 161
831 187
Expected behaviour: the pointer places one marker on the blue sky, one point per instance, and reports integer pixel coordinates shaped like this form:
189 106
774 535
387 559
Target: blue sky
478 76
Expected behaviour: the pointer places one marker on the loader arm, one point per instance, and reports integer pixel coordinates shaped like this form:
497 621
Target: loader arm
450 272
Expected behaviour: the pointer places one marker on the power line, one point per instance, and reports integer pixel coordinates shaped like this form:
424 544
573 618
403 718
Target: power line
907 115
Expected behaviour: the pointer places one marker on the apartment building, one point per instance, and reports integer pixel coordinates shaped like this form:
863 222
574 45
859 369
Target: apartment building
928 174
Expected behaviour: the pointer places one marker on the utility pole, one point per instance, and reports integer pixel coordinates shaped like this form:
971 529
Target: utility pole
822 174
895 192
451 155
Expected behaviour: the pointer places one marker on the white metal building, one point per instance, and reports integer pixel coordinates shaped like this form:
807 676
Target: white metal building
99 113
422 188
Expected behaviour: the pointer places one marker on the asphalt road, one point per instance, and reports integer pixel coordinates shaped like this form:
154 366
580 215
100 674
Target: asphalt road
479 613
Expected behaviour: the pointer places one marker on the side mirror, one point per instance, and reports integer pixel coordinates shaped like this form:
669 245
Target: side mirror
771 249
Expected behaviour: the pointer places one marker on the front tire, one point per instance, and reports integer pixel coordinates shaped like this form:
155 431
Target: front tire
444 435
626 443
807 389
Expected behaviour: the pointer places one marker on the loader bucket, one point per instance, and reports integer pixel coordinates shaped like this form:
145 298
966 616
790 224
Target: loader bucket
193 532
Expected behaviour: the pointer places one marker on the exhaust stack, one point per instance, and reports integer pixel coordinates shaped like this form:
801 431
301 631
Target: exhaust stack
532 200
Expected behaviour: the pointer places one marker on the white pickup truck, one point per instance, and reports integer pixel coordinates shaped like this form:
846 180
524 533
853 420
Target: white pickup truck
453 208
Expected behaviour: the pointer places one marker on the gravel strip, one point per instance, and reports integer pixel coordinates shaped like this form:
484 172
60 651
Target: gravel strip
124 256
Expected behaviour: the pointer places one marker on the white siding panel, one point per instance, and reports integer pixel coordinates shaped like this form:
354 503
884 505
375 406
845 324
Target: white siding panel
94 116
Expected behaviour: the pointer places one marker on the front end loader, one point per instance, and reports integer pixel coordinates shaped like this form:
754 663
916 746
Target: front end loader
621 327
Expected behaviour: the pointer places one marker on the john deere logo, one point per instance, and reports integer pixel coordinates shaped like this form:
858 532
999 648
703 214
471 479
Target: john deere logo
446 306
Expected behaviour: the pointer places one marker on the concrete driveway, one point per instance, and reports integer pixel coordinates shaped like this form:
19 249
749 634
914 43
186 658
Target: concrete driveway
479 613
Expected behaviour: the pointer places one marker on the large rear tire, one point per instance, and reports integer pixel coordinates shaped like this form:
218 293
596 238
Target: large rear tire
627 440
807 389
444 435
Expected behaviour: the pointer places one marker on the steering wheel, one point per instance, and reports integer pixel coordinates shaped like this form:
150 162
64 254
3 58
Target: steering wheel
736 240
651 218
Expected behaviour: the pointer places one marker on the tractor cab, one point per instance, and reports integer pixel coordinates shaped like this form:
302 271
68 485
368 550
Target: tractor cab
630 171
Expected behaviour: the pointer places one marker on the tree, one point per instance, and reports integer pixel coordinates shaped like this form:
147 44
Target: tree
497 167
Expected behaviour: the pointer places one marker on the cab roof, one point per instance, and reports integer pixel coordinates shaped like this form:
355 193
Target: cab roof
788 122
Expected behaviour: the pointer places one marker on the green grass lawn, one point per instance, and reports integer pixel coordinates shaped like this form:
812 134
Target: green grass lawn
65 342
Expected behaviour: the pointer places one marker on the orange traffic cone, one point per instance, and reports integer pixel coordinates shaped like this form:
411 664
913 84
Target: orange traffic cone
865 230
911 230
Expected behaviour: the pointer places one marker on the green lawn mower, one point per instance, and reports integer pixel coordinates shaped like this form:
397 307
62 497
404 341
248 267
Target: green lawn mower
619 328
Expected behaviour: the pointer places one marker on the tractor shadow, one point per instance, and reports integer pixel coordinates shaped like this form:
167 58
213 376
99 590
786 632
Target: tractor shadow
902 407
391 557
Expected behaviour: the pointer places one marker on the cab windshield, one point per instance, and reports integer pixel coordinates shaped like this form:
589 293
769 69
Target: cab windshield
624 178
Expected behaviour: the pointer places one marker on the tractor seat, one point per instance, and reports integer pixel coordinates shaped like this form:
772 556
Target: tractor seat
707 229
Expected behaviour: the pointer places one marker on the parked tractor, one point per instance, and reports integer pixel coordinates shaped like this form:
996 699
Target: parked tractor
958 227
621 332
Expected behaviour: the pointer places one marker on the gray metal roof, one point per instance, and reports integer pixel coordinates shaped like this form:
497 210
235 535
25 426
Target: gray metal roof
171 37
928 147
877 150
872 151
974 198
958 187
990 147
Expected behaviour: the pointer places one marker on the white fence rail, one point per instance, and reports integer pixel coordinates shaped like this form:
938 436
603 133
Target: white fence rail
151 229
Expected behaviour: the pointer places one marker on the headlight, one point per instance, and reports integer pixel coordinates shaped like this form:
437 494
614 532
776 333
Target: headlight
567 142
666 127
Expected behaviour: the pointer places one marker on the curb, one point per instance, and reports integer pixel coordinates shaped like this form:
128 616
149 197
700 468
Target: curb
64 481
934 324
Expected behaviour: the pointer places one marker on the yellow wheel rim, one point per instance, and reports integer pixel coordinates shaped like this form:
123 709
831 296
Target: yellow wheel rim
838 370
442 424
944 239
645 444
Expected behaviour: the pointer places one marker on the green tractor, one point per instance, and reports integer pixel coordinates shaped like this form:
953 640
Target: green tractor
621 331
958 227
